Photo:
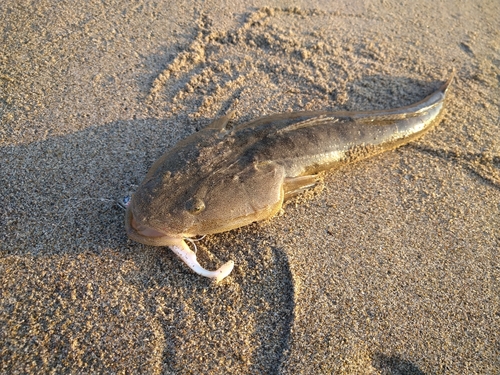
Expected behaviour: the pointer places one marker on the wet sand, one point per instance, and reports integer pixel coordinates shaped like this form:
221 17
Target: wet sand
391 266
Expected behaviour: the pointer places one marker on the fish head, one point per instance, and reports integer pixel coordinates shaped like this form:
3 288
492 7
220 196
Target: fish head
168 207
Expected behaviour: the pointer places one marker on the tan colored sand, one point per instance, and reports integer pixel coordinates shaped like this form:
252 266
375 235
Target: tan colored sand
391 268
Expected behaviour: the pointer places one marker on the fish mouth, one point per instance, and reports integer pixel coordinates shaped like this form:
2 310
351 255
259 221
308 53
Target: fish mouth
147 235
144 230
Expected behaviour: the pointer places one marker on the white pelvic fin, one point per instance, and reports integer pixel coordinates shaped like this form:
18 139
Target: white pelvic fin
189 257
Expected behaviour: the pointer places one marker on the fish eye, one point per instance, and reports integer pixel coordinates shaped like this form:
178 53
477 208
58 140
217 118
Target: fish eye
195 205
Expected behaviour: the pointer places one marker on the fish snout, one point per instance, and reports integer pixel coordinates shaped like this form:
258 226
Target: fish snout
147 235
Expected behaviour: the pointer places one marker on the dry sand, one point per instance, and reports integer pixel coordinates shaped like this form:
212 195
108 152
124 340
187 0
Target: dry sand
393 268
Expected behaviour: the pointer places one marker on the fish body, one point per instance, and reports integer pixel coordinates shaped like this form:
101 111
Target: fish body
222 178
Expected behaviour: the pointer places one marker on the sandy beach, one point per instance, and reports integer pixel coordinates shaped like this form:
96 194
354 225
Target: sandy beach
390 266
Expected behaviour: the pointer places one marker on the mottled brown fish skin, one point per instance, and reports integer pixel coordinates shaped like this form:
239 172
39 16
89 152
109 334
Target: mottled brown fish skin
219 179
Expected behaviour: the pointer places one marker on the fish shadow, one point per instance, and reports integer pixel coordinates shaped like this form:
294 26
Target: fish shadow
60 193
395 365
245 320
62 190
59 198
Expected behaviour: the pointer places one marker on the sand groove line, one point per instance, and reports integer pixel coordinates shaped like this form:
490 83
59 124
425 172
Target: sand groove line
196 54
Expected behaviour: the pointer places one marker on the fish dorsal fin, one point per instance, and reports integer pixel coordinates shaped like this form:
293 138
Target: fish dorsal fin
221 123
280 120
368 117
313 121
380 117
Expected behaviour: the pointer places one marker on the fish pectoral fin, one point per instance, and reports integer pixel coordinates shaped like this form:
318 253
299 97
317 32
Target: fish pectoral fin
188 256
296 185
221 123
